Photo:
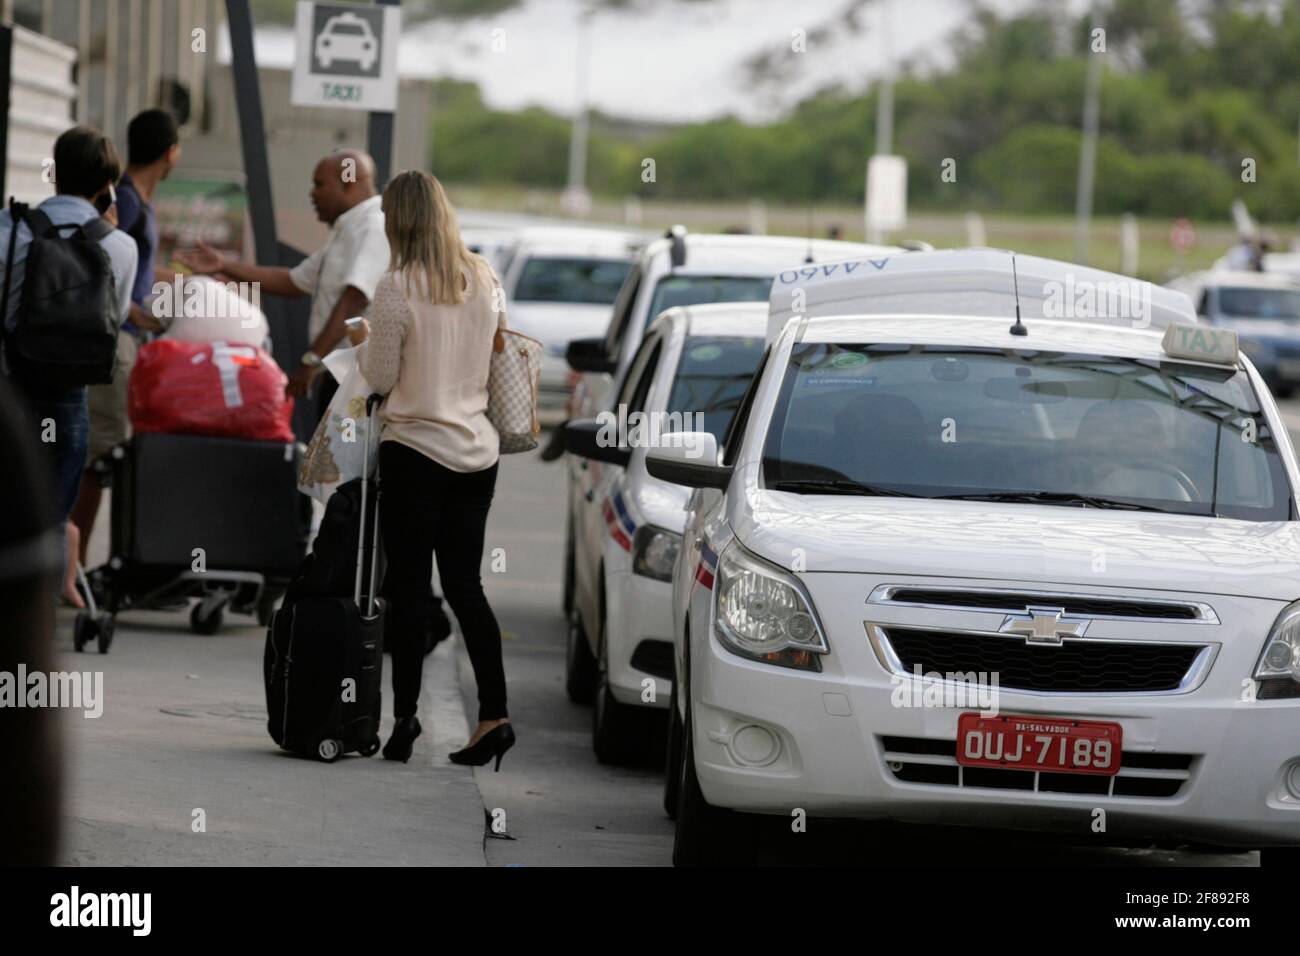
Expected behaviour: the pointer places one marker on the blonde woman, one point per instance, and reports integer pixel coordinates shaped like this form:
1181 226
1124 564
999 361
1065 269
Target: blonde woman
427 349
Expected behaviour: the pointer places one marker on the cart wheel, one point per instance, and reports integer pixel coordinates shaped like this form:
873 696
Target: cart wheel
266 607
329 749
370 749
83 629
208 623
105 624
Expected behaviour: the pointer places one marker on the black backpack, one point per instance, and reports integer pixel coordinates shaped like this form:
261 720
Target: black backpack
65 331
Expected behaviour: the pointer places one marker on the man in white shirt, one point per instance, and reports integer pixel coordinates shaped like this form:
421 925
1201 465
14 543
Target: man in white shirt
340 276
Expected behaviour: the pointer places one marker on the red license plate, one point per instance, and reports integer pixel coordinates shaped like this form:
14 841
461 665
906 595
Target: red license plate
1053 744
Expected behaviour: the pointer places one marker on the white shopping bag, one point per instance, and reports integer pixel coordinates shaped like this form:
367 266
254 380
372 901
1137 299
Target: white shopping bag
336 453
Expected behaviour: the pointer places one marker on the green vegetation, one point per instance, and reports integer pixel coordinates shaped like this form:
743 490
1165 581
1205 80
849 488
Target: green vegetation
1188 94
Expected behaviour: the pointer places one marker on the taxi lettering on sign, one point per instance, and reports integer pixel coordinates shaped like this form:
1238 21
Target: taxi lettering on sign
1201 344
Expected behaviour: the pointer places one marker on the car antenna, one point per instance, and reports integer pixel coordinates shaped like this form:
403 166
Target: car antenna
808 231
1019 327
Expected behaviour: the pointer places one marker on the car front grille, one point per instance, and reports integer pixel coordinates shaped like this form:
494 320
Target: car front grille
1071 604
1075 666
923 760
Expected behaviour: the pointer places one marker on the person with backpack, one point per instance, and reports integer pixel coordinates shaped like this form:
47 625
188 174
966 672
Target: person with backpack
66 277
153 150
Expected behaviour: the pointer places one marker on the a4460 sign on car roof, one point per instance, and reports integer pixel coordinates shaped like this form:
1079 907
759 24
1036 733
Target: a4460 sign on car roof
1009 570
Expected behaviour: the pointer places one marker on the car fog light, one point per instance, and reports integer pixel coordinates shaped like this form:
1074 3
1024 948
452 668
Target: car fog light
1293 781
755 745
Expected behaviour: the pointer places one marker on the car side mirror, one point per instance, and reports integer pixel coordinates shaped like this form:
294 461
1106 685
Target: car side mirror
592 438
589 355
688 458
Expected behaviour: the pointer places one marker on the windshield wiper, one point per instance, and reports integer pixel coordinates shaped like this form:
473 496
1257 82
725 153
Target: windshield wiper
837 486
1052 497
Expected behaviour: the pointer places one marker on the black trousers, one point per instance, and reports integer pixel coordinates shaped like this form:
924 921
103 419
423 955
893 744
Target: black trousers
427 510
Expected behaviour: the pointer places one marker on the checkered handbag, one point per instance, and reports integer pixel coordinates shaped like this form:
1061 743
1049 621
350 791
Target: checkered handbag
515 371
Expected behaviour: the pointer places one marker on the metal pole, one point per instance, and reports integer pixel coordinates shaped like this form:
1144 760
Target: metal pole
153 63
252 137
578 134
83 62
133 59
379 130
6 69
1088 149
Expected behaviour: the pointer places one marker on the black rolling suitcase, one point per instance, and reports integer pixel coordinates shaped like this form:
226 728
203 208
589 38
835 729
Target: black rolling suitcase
324 657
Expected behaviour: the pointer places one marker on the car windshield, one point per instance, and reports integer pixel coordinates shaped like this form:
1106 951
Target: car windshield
348 29
1043 427
711 380
1260 303
676 290
585 280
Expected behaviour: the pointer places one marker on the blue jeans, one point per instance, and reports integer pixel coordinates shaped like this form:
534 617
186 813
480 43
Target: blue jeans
60 424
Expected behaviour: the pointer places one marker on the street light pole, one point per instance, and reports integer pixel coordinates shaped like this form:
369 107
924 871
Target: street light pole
1088 146
575 191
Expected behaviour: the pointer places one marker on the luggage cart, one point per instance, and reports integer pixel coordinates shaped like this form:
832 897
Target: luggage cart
229 506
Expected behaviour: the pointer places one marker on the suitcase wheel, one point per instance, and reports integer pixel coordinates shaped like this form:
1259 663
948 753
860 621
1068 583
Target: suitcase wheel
104 627
370 749
329 749
205 620
83 630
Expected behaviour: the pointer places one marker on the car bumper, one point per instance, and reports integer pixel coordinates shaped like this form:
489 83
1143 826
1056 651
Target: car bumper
639 634
771 740
556 382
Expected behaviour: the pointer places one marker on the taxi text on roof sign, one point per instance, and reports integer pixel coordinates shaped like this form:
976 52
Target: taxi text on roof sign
1201 344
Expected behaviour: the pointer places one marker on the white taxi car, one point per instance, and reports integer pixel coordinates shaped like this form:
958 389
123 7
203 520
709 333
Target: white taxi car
974 570
690 373
560 285
684 268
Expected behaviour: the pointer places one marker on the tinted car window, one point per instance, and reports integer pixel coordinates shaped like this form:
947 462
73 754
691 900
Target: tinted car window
675 290
591 281
712 377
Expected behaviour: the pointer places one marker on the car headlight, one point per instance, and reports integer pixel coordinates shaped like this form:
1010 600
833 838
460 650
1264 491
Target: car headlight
1278 670
762 613
654 552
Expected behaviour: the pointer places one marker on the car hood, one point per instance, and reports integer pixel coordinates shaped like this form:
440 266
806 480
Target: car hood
555 324
1023 543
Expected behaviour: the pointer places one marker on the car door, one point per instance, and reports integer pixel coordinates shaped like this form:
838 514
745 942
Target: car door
595 481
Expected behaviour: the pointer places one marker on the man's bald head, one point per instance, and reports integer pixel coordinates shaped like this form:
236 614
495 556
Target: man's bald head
340 181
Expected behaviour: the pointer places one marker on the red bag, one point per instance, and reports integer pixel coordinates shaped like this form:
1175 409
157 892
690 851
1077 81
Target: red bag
221 390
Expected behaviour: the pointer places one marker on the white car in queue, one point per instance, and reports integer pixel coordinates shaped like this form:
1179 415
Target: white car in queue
560 285
679 269
685 268
956 569
690 373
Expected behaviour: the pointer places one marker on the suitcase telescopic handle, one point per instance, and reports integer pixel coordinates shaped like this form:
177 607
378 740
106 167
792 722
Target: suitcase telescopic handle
372 401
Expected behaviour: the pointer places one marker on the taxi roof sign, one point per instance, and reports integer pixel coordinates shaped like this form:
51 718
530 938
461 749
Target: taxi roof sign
1199 343
976 282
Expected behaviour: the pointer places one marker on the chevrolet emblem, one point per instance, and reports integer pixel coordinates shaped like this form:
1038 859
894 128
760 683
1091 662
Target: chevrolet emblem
1044 625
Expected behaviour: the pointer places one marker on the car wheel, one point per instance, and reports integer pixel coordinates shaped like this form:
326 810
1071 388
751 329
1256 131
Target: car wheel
617 730
579 665
707 835
672 757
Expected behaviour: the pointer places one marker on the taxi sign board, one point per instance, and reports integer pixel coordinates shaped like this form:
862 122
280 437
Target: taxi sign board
1199 343
346 56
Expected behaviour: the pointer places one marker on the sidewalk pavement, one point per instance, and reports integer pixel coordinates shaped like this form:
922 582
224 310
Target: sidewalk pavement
184 729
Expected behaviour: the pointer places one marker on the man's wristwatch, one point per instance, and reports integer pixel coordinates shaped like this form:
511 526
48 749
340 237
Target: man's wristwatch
311 359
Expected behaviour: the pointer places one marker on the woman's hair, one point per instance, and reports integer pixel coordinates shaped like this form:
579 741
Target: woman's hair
424 239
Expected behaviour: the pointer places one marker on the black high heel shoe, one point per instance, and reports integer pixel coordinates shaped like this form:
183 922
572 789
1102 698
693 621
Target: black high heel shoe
494 743
399 744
